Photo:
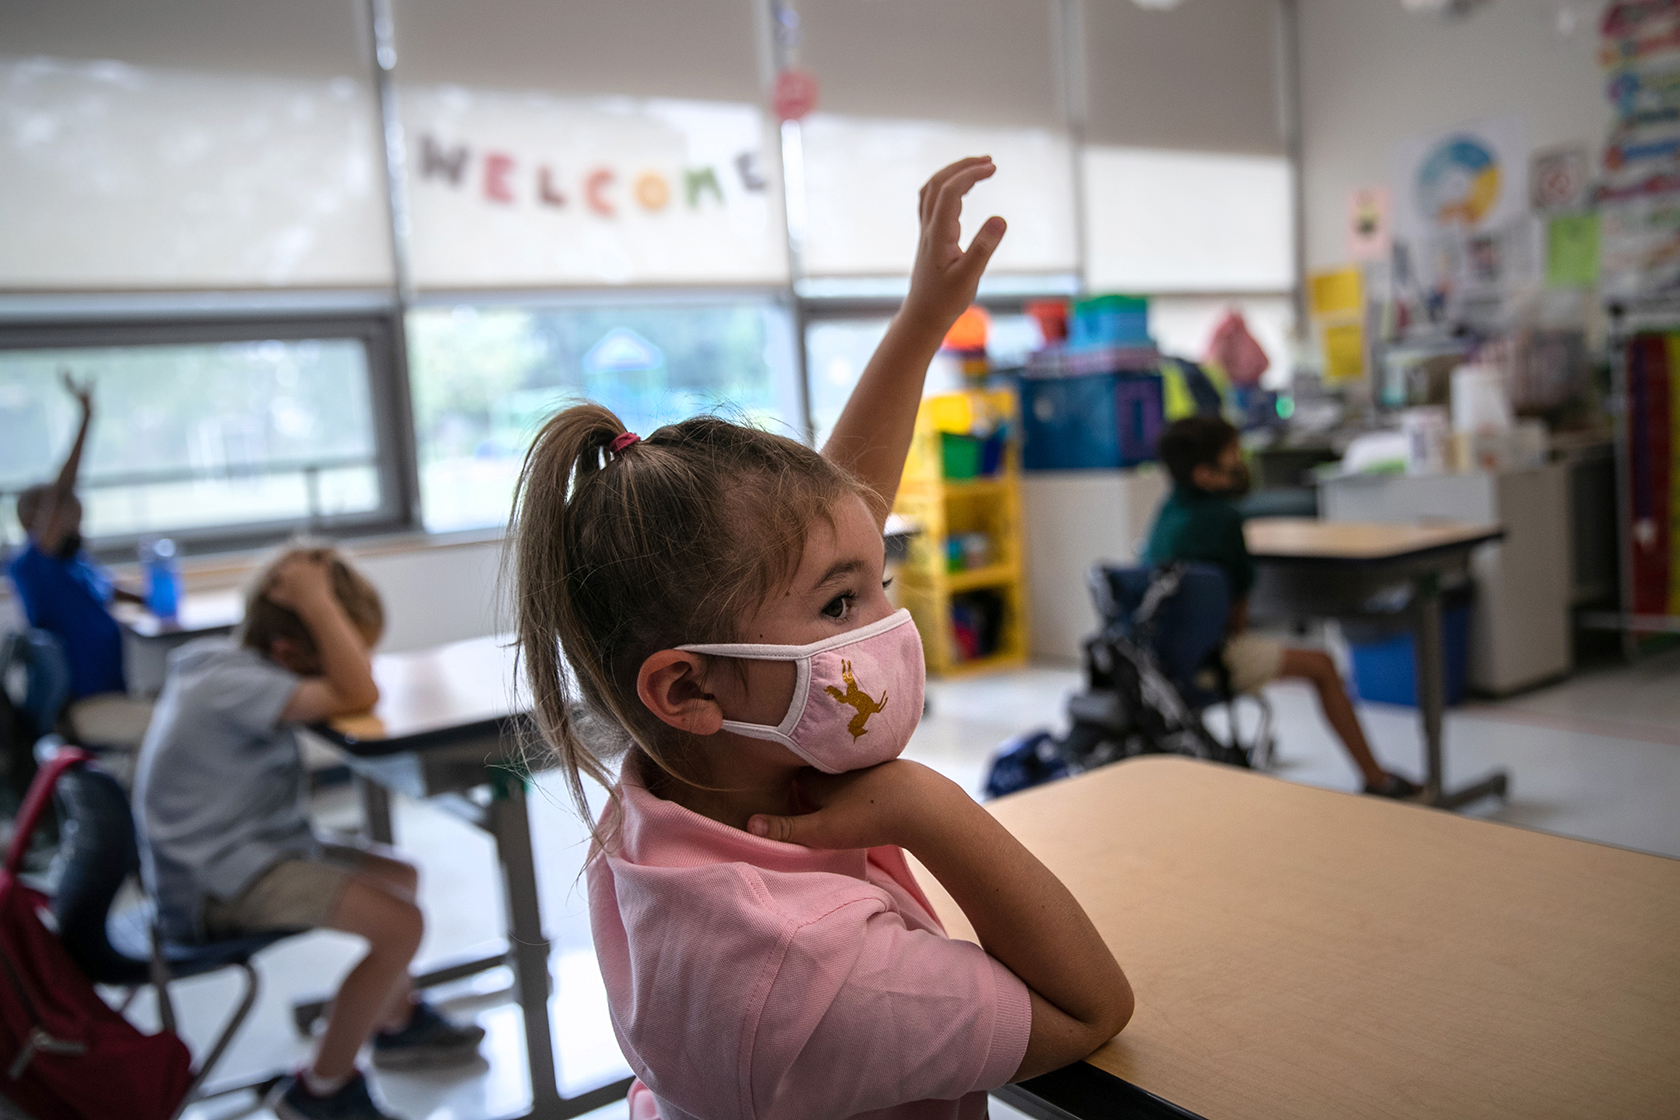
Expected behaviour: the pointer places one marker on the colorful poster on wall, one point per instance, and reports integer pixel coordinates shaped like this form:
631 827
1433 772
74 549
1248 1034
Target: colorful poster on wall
1470 179
1370 227
1461 211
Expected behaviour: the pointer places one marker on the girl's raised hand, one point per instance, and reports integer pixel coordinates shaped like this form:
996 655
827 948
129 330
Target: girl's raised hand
944 278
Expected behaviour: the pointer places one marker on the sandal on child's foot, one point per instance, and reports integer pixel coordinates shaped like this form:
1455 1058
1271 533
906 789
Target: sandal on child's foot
1394 786
292 1100
429 1040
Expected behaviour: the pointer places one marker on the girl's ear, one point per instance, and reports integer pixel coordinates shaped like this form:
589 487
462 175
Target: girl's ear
670 684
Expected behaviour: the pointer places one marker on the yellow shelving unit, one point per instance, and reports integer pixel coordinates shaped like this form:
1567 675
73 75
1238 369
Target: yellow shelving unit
945 508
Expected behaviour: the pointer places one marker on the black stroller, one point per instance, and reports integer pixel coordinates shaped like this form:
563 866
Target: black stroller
1150 673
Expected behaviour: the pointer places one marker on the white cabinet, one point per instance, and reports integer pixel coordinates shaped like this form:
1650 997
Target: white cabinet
1519 629
1075 519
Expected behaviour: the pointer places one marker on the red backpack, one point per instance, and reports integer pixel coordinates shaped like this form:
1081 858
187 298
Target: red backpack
64 1053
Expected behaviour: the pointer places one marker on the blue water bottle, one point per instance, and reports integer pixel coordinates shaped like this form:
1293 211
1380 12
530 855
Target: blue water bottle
163 577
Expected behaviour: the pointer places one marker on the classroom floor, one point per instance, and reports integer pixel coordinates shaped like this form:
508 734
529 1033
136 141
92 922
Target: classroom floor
1596 757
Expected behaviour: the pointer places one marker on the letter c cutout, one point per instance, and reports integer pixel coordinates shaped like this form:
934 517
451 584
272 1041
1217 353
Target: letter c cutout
592 188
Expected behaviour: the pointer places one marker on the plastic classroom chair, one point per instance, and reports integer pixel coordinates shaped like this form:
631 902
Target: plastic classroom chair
99 852
1186 634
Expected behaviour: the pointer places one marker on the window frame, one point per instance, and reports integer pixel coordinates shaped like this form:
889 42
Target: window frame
382 337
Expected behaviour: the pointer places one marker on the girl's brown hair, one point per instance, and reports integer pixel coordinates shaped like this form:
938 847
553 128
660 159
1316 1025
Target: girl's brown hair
619 554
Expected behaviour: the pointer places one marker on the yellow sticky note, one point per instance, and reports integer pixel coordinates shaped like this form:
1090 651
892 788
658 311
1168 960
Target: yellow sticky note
1344 352
1335 293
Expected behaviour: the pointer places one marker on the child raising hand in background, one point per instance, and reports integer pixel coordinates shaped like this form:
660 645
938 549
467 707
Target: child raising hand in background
717 592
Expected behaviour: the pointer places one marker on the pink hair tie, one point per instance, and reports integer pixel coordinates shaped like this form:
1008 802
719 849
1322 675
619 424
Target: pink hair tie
623 441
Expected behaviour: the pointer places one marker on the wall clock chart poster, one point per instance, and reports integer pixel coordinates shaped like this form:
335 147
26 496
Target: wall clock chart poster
1461 208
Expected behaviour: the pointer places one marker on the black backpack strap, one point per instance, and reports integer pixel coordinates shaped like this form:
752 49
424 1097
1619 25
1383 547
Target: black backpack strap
40 792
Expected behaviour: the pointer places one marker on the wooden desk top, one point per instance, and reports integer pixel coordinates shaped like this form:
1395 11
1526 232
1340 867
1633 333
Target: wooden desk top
459 685
1305 538
1303 953
203 612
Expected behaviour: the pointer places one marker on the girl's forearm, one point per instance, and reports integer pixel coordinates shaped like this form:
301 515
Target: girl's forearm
1021 912
872 437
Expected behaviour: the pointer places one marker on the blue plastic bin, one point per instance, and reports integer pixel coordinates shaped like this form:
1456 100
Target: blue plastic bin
1095 421
1385 668
1111 320
1069 423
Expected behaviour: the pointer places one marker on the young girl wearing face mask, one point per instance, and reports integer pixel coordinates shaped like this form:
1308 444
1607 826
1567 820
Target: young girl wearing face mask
706 632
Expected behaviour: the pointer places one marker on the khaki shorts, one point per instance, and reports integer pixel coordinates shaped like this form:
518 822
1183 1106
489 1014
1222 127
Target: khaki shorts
293 894
1252 661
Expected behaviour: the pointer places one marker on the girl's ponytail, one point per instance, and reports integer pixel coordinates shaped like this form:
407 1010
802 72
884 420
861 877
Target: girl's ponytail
572 447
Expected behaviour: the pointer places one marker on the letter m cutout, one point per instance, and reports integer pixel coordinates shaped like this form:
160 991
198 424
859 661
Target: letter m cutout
697 180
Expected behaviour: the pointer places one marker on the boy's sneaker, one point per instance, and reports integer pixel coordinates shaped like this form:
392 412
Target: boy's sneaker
292 1100
1396 787
428 1041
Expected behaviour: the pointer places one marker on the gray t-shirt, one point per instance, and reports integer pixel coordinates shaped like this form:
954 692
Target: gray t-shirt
220 785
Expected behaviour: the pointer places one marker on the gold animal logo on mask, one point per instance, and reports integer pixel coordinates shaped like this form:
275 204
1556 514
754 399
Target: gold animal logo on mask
855 697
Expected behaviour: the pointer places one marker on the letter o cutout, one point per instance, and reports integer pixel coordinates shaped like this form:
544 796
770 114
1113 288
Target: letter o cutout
652 191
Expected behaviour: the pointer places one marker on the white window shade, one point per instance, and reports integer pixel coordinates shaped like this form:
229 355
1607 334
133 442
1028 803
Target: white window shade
990 62
905 88
861 179
184 144
1186 222
556 145
702 49
1200 75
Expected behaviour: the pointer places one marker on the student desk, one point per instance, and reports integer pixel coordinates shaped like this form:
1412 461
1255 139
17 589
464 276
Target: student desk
1337 568
1299 953
450 720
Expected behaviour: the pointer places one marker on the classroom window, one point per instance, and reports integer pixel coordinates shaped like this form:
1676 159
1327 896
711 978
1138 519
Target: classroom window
485 378
837 349
203 440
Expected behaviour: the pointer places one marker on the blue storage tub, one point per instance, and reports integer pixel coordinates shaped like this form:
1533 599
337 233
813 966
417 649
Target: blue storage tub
1385 669
1111 320
1094 421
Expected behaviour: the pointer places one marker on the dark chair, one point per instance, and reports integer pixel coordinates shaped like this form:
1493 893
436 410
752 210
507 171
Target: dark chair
37 658
1186 633
98 854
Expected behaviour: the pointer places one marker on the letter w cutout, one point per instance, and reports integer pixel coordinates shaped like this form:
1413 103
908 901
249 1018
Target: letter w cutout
437 163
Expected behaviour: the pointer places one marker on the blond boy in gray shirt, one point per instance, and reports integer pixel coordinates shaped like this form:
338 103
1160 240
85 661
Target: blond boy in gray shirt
226 846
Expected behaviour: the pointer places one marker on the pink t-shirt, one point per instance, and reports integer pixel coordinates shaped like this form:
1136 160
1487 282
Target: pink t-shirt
755 979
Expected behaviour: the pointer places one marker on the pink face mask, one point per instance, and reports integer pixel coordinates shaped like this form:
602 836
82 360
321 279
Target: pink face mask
856 697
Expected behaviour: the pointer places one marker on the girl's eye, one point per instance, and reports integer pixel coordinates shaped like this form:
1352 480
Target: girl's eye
886 583
839 607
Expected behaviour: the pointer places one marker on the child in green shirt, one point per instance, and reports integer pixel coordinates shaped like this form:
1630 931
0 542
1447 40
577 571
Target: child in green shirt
1200 521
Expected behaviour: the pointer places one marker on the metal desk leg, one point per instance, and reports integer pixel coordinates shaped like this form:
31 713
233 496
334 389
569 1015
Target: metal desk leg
1431 672
1431 685
376 810
528 948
